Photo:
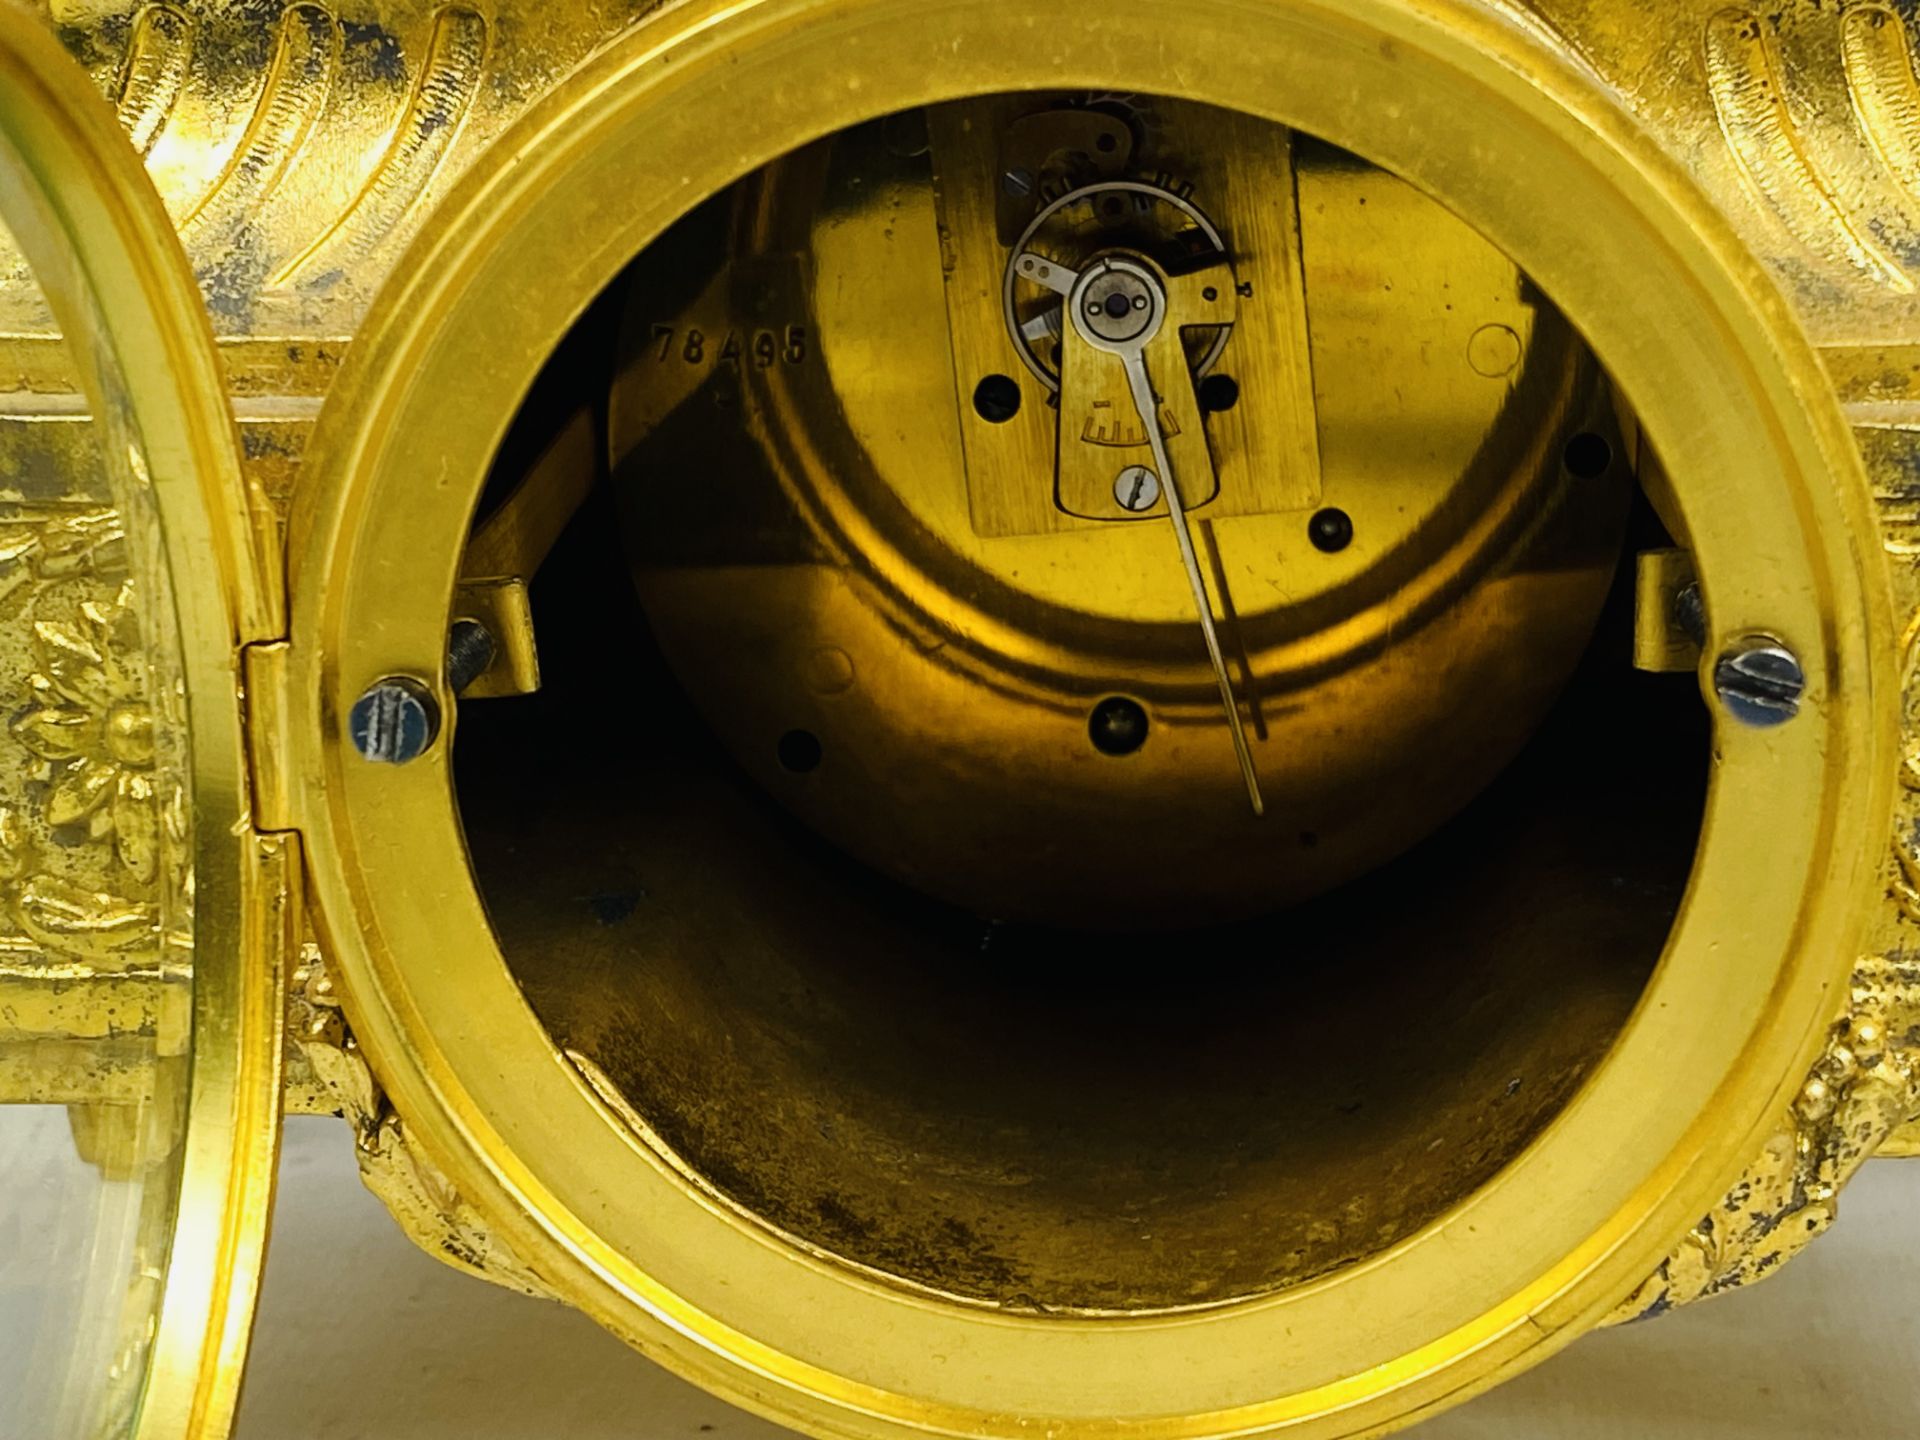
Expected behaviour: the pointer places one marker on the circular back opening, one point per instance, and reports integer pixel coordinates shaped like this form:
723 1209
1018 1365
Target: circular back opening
876 844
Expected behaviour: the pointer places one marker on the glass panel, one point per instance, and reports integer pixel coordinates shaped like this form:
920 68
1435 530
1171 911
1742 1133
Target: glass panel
95 890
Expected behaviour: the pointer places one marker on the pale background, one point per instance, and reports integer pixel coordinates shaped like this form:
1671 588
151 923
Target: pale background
362 1337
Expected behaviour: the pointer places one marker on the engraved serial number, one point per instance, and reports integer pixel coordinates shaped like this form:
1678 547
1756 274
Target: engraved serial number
761 349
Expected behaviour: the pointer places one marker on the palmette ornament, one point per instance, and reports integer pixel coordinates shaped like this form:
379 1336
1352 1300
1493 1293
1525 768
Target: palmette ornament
1194 719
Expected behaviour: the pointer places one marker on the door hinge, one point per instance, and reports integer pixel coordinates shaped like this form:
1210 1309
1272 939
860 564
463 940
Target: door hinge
263 679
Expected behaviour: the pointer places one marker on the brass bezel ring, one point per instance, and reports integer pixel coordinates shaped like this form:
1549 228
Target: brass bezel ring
1507 132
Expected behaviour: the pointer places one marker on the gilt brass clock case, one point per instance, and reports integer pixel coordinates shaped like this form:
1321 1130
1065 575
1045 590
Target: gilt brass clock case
1465 101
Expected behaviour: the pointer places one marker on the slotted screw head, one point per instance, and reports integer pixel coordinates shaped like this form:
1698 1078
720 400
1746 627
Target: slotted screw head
394 722
1760 682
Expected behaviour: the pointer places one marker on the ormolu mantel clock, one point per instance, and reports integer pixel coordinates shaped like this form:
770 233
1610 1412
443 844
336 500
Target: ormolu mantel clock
1106 721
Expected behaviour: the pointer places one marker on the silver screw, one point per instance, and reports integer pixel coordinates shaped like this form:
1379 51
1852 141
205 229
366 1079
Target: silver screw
1137 489
1760 682
1017 183
394 722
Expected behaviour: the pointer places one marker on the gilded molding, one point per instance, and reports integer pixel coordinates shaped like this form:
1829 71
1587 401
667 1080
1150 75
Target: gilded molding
327 1074
87 808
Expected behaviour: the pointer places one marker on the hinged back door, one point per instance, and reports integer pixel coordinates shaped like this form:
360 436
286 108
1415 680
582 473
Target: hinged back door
143 918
